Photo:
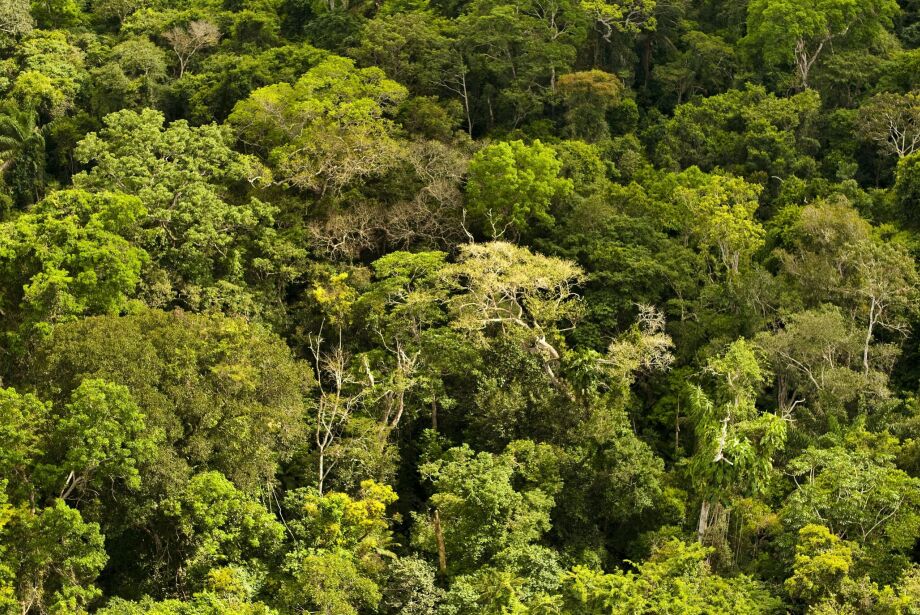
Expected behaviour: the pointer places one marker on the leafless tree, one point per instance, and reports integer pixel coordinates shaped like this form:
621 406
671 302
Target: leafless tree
188 41
340 395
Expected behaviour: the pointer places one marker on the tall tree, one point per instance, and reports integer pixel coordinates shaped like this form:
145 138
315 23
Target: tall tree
327 130
735 441
801 33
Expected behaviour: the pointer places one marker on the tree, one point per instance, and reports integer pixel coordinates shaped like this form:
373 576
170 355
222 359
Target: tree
328 129
487 504
853 488
831 255
337 403
514 55
749 132
70 256
817 360
675 579
97 439
412 46
506 288
217 525
644 348
226 77
886 280
55 556
907 184
22 155
512 186
716 214
614 483
706 67
822 562
339 551
209 602
892 121
630 17
51 74
405 310
735 443
133 78
53 14
800 33
117 9
15 20
25 418
411 588
588 96
188 41
226 394
212 244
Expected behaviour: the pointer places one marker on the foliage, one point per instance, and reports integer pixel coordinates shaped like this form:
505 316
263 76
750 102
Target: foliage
512 186
459 307
326 130
210 249
675 579
70 256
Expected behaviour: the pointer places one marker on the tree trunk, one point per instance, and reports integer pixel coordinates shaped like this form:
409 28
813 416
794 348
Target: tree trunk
872 320
703 525
442 550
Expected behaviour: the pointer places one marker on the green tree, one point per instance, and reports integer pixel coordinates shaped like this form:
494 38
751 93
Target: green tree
675 579
51 72
716 214
55 556
816 360
750 133
735 443
707 66
512 187
340 549
801 33
907 185
70 256
227 394
213 245
217 525
15 21
413 47
628 17
822 562
892 121
411 588
830 254
133 77
328 129
25 418
854 489
514 54
22 155
486 504
225 77
588 96
97 439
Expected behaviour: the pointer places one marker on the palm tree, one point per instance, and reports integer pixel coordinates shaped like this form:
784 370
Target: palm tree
22 149
18 132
